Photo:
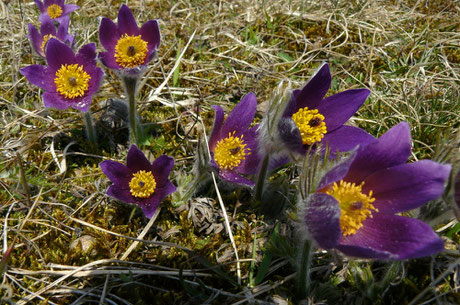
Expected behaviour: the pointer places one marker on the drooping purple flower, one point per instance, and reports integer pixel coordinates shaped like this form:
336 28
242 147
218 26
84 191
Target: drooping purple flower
48 31
129 49
233 143
68 80
139 181
55 10
310 119
356 204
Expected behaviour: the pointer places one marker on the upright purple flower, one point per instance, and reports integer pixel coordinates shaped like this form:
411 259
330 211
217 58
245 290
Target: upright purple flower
354 208
139 181
233 143
48 31
55 10
69 80
309 120
129 48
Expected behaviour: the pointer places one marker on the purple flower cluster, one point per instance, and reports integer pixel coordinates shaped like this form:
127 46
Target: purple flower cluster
355 208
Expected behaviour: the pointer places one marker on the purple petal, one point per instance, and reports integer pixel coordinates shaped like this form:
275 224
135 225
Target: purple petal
407 186
35 39
250 164
316 88
215 133
338 108
81 104
87 55
233 177
241 117
150 205
57 54
151 33
338 172
322 218
126 22
117 172
69 8
392 148
346 138
392 237
289 134
108 34
136 160
39 76
54 100
162 167
40 5
96 74
278 161
47 27
108 60
63 19
121 193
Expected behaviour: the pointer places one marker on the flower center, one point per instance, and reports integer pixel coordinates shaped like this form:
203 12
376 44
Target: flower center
54 11
311 125
229 152
72 81
45 40
130 51
354 205
142 184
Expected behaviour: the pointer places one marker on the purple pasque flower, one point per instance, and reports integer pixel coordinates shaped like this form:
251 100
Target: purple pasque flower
233 143
48 31
139 181
69 80
355 208
310 119
129 49
55 10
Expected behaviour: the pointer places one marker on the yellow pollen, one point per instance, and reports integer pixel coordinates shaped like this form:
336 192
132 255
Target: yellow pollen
54 11
130 51
354 205
142 185
72 81
45 40
311 125
229 152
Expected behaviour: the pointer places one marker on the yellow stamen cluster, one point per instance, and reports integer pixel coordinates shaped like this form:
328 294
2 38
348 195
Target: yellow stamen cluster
45 40
354 205
54 11
143 184
72 81
130 51
230 151
311 125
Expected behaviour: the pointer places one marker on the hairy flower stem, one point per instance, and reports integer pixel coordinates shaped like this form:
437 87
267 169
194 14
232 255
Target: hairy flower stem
91 134
261 178
303 278
130 89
